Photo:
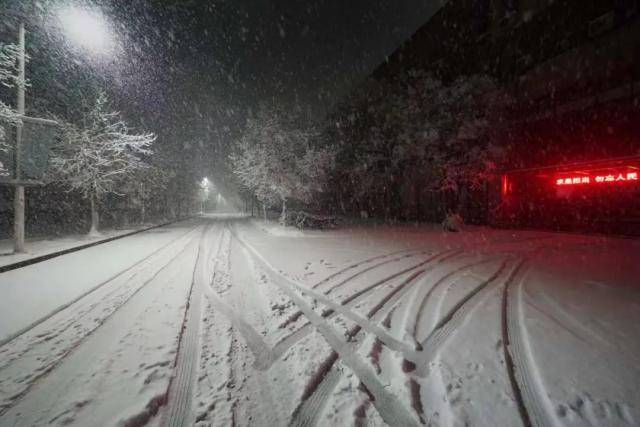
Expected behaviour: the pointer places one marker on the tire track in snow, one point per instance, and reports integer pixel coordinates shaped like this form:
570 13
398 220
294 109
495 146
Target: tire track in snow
423 295
325 380
412 357
411 324
263 354
408 253
364 262
388 405
302 415
314 401
458 314
260 349
44 371
216 377
352 297
411 254
250 348
221 274
450 279
43 319
341 308
29 345
362 321
534 406
181 386
452 320
266 356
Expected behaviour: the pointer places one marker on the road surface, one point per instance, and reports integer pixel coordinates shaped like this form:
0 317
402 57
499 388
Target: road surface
223 321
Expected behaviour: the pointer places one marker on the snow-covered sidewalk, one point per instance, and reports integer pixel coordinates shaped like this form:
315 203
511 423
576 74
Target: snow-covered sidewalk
35 292
112 351
40 246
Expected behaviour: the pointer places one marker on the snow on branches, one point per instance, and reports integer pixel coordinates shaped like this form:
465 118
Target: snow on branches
146 183
9 54
278 158
9 78
417 128
99 156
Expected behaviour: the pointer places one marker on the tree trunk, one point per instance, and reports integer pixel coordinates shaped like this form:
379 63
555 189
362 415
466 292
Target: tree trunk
18 222
264 211
462 196
283 214
444 203
416 194
95 216
125 220
143 212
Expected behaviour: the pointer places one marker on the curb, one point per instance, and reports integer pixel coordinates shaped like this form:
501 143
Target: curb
37 259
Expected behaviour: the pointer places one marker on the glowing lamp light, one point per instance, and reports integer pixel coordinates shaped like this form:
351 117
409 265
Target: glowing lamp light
87 29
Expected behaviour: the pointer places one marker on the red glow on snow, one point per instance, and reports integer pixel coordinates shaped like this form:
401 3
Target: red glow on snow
583 178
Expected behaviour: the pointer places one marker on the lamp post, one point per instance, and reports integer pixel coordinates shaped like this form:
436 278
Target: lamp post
83 28
18 200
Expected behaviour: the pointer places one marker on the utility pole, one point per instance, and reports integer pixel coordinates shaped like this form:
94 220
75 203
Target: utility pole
18 200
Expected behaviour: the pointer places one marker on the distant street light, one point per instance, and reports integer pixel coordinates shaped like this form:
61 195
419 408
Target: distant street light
87 28
205 187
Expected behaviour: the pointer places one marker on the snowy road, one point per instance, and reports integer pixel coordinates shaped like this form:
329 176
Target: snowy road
217 322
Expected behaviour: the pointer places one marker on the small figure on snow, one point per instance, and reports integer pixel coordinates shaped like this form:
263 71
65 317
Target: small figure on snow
453 222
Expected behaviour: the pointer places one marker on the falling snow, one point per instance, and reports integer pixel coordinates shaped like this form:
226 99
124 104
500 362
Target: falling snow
319 213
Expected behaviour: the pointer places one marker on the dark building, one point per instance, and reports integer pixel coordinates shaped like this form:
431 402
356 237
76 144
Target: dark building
571 71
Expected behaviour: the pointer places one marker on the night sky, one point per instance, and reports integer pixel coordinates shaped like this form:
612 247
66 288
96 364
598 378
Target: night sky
243 50
190 69
218 59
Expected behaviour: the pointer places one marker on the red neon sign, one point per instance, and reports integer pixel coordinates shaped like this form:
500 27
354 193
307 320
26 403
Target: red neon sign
618 177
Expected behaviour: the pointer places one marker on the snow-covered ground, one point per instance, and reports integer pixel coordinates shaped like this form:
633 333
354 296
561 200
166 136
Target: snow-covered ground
220 321
39 246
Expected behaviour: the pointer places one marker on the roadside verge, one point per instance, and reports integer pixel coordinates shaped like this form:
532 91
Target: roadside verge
56 253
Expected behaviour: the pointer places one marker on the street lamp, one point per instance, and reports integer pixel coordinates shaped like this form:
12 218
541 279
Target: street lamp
86 28
83 27
204 192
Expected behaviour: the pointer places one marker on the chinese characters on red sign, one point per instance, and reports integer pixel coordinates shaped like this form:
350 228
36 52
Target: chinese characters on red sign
598 179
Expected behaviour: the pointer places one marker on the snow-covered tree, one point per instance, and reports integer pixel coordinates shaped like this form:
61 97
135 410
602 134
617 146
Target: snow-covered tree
9 78
99 156
277 158
416 129
145 186
454 124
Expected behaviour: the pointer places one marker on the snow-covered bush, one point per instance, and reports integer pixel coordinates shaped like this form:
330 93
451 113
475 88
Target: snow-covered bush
453 222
